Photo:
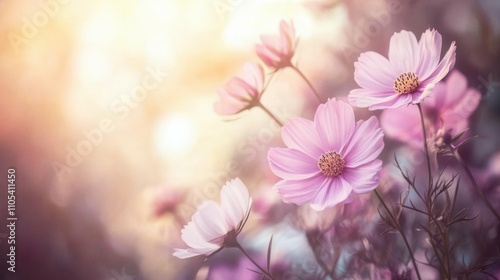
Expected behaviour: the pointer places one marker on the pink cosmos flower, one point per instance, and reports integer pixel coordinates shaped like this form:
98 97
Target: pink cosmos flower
327 158
214 225
277 51
407 77
446 113
239 94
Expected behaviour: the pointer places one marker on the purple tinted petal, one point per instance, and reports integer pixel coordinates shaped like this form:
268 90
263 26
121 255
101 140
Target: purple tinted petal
300 134
291 164
363 178
402 124
445 66
400 100
437 99
332 192
366 143
299 191
335 124
456 85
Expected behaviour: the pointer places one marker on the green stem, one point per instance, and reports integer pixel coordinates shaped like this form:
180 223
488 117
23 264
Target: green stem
403 235
256 264
270 114
307 81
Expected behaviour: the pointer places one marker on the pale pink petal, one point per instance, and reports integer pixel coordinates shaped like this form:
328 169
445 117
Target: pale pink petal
402 124
268 57
291 164
363 178
364 98
277 50
253 75
430 45
190 252
287 33
330 193
438 98
299 191
456 85
240 94
235 202
210 220
373 71
445 66
403 52
192 236
335 124
399 101
366 143
300 134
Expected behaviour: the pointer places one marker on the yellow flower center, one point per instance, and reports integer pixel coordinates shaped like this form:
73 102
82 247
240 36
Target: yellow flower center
406 83
331 164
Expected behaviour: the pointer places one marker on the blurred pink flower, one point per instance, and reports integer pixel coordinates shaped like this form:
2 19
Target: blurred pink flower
407 77
213 225
237 269
164 199
239 94
327 158
446 113
277 51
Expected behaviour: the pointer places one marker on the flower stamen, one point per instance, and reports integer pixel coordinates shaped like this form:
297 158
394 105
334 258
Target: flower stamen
406 83
331 164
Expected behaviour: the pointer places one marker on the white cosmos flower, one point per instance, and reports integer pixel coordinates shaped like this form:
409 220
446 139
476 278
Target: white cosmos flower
215 226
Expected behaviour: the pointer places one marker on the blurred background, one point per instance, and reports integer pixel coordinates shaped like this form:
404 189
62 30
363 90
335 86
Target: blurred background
107 114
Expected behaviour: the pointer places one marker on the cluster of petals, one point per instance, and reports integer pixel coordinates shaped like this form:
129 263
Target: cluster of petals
240 94
446 112
328 158
212 223
407 77
276 51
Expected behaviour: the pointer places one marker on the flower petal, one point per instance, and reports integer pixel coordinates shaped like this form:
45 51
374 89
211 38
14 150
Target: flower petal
445 66
299 191
363 178
332 192
209 224
430 45
366 143
300 134
190 252
335 124
291 164
235 202
373 71
403 52
364 98
253 75
400 100
402 124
